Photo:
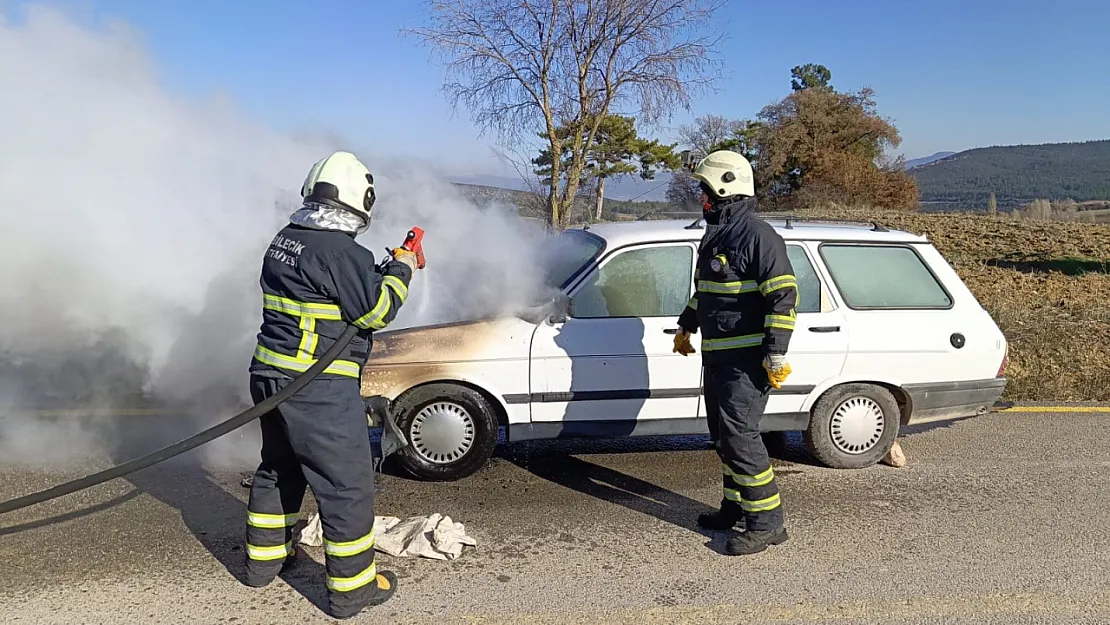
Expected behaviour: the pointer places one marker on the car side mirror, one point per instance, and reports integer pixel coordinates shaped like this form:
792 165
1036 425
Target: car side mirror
560 307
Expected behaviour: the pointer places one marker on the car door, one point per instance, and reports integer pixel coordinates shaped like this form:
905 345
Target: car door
611 359
904 319
818 346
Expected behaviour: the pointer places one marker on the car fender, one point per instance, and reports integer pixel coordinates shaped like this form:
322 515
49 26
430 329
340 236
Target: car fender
838 380
398 379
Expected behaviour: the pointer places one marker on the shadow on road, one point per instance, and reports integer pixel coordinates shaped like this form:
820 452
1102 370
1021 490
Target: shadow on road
209 510
621 489
69 516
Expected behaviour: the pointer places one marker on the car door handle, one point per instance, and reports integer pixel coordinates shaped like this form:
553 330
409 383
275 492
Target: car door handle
825 329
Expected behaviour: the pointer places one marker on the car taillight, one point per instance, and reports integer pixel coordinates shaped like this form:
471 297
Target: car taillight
1005 361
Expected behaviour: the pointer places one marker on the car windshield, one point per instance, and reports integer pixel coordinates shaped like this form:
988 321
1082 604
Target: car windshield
566 253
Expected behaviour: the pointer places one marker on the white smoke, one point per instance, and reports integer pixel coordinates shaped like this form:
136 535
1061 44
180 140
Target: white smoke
134 224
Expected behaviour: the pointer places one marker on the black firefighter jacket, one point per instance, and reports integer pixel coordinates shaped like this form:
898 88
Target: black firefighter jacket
315 283
745 292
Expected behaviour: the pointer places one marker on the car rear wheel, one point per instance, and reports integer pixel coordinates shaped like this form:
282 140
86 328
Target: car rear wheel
853 426
451 431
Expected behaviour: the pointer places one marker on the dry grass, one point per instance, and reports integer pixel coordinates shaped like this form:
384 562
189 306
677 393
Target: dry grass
1047 285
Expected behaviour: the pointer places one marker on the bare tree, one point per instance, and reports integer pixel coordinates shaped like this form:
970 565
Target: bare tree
526 67
708 132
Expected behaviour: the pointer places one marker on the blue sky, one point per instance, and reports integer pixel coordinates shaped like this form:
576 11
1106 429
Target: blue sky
952 74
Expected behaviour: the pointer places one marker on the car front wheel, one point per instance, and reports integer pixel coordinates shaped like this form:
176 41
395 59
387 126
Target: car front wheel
853 426
451 431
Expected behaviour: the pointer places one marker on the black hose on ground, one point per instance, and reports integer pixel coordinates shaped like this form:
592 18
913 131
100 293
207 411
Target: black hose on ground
193 441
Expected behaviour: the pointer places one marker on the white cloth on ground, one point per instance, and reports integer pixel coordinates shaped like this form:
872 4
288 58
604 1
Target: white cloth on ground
435 536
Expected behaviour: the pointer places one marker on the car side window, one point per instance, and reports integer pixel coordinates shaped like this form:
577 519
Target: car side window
645 282
883 276
809 286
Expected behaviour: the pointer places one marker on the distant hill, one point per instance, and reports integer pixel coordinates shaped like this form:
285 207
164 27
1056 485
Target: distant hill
623 188
914 162
531 206
1017 174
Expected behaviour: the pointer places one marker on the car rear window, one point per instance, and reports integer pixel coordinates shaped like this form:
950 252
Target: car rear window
883 276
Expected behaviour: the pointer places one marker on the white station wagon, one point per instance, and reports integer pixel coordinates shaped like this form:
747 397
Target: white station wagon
887 335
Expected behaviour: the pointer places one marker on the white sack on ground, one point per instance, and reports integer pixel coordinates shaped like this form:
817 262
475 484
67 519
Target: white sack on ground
436 536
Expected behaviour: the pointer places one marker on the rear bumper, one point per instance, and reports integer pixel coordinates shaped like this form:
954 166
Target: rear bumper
952 400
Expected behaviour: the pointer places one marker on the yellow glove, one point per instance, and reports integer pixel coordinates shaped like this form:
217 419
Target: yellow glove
400 254
777 369
682 343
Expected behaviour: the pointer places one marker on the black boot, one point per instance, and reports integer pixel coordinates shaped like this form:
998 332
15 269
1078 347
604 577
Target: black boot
717 520
750 542
382 588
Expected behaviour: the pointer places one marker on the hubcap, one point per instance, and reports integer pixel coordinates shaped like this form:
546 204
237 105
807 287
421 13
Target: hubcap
857 425
442 432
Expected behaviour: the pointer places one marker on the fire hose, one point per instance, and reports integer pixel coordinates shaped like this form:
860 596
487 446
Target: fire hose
413 243
193 441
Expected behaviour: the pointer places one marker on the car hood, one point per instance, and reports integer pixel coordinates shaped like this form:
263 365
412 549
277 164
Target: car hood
467 341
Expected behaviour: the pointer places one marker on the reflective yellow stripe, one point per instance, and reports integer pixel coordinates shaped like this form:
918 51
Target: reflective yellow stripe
762 505
271 521
307 313
309 339
786 322
733 342
778 282
761 479
301 309
339 367
693 303
374 320
347 584
397 285
266 554
727 288
351 547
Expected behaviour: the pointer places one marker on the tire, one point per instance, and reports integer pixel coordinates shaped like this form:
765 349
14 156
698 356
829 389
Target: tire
463 414
853 426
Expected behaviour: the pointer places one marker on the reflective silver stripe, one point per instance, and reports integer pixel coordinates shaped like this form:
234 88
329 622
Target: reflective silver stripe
728 288
778 282
351 547
732 342
375 319
301 309
271 521
347 584
265 554
785 322
762 505
339 367
752 481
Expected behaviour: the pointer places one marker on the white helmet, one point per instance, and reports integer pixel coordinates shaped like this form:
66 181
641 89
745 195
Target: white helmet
341 181
725 174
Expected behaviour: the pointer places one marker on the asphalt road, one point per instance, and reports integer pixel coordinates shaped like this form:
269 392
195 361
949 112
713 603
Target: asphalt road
996 519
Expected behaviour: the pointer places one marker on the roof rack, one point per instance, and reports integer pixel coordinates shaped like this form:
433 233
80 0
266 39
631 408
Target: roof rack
790 219
698 223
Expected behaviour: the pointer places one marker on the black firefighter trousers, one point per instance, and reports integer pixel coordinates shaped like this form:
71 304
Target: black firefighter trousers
317 438
735 397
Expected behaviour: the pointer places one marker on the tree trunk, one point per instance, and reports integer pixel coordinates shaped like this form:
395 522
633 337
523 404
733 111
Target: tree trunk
600 197
553 216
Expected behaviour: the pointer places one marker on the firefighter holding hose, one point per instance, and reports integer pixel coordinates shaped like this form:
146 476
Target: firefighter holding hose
316 279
